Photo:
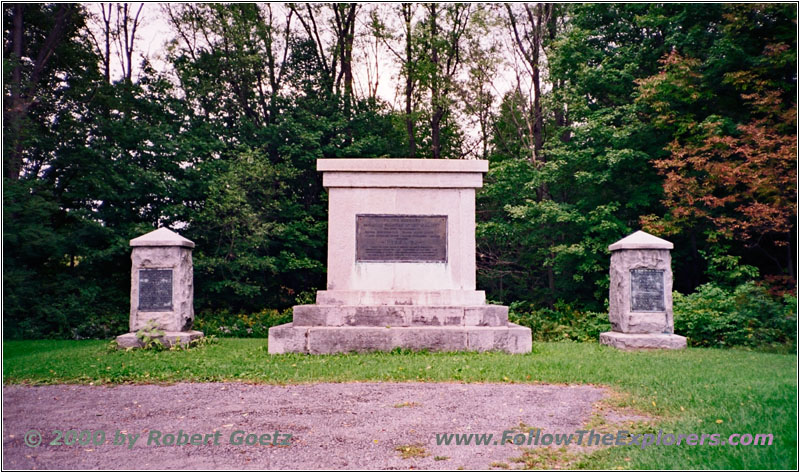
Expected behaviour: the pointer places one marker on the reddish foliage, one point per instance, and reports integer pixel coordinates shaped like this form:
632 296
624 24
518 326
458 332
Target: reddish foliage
745 182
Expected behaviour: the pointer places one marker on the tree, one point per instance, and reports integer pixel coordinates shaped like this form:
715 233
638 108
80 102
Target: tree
98 168
444 27
39 51
732 118
408 64
530 43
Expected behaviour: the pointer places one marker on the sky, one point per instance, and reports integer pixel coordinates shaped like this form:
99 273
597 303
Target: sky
154 33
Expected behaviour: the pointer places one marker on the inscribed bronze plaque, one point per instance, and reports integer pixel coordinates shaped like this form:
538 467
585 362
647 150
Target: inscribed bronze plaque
647 290
155 290
401 238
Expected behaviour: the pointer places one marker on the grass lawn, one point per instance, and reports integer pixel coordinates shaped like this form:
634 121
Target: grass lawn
691 391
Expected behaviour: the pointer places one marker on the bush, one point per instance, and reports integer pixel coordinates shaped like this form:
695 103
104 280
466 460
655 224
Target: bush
560 323
746 316
227 324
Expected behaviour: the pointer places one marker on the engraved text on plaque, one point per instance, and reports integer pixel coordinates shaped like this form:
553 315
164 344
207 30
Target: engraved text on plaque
401 238
155 290
647 290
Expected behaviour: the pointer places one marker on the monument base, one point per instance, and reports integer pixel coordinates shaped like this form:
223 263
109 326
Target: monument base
318 329
291 338
169 339
639 341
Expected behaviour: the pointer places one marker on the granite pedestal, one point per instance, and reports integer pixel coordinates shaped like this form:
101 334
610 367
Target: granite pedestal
162 288
640 295
401 264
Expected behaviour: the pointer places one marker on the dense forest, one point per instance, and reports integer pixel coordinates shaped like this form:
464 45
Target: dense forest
678 119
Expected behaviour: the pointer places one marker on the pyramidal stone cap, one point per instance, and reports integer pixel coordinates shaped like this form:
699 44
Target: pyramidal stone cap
162 237
641 241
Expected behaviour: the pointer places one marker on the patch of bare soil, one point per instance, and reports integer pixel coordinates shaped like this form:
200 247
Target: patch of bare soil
332 425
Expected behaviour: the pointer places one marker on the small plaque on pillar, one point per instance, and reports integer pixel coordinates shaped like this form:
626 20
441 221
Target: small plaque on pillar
155 290
647 290
401 238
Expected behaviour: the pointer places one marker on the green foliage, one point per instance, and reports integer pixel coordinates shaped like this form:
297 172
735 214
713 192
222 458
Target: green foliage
747 316
560 323
613 111
228 324
224 151
209 155
726 269
151 336
196 343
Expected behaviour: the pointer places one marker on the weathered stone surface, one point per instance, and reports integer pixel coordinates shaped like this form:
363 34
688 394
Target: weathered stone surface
318 340
288 339
638 341
444 297
409 285
489 315
162 237
360 166
641 270
169 339
401 187
623 319
179 260
164 250
399 315
641 241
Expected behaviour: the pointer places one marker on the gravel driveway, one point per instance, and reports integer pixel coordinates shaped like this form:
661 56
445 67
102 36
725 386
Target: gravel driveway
332 425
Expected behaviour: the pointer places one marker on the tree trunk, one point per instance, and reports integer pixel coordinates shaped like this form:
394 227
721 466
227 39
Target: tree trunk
436 106
107 33
20 100
16 110
410 125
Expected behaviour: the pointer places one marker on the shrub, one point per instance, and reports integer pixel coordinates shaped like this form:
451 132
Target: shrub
227 324
560 323
747 315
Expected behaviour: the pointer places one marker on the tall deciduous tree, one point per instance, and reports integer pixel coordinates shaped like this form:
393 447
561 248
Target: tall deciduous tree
732 118
405 49
35 53
444 30
529 33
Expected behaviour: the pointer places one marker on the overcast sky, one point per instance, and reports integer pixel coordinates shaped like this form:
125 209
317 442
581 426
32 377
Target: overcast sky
154 32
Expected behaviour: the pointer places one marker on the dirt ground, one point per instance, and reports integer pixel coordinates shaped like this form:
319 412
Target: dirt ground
332 425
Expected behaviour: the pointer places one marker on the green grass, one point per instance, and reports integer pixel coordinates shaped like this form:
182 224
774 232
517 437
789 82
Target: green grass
691 391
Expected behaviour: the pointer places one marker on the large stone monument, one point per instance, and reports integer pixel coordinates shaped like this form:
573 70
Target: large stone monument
162 291
640 294
401 264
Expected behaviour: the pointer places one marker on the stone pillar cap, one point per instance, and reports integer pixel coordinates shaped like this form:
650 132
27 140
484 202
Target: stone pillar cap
403 165
641 241
162 237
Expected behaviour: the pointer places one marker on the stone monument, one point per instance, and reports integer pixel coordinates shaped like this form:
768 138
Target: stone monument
401 264
162 291
640 294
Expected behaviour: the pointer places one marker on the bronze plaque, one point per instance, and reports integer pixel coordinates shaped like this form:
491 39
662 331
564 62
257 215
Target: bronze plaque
155 290
647 290
401 238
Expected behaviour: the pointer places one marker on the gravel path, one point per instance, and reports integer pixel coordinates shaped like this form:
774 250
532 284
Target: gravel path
333 425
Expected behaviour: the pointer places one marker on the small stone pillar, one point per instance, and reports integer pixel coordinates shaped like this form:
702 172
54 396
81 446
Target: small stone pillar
162 288
640 294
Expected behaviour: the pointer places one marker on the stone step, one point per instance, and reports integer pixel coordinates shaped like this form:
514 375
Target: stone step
442 297
400 315
638 341
169 339
289 338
